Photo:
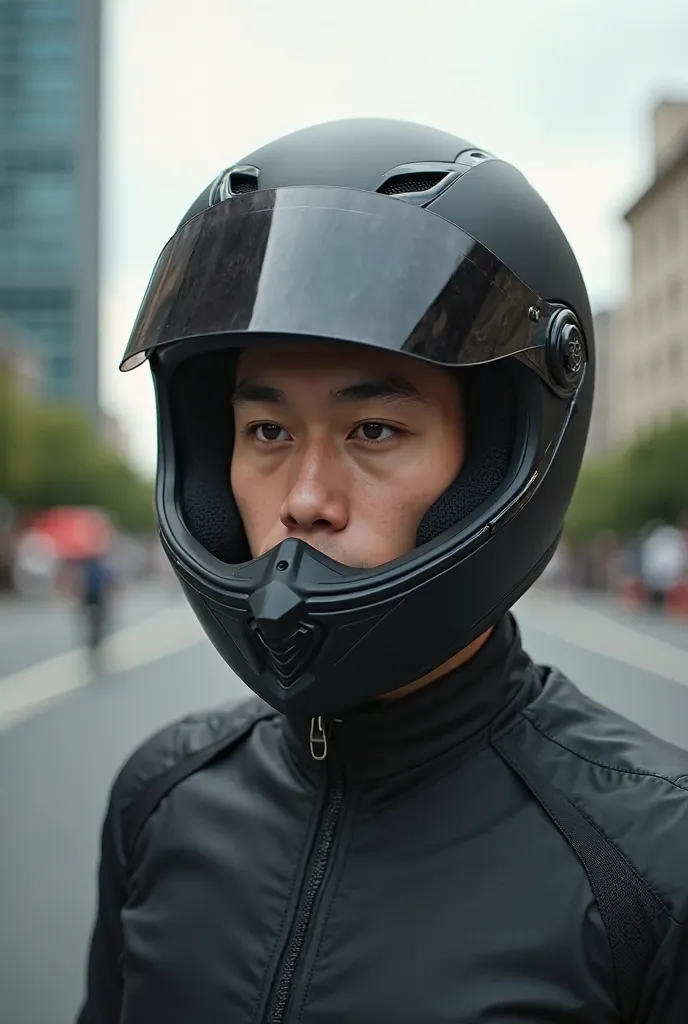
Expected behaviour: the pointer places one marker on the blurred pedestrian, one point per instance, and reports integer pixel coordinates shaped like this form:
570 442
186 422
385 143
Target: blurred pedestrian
92 587
663 563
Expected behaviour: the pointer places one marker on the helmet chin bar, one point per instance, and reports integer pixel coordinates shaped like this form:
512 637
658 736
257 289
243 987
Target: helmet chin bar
287 671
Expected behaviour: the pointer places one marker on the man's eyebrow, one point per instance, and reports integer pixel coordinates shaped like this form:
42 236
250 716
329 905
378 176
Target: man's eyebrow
389 387
380 387
245 391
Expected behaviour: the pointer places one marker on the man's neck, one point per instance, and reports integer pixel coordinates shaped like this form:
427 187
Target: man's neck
458 659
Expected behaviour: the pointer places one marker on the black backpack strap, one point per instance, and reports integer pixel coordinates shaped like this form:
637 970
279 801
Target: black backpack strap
629 910
136 815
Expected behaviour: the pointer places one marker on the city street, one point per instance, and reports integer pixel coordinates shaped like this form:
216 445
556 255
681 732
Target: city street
62 738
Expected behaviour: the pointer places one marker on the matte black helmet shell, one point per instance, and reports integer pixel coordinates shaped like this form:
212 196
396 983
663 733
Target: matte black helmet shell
397 236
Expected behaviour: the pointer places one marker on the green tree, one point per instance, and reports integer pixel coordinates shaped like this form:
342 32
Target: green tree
594 504
655 484
50 455
68 458
646 481
18 448
127 496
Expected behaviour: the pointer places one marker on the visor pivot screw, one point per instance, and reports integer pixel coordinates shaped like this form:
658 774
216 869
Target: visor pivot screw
566 354
534 313
281 566
573 352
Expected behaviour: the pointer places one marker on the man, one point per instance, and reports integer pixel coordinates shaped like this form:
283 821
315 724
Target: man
663 562
93 591
373 356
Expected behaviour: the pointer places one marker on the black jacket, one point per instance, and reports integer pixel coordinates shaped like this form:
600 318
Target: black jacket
495 848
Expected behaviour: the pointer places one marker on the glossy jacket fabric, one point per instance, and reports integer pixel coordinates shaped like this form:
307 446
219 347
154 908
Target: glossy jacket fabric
411 877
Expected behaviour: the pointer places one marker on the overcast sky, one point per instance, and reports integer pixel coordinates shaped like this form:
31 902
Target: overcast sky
562 89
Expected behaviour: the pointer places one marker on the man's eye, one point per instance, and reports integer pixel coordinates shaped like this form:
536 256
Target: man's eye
374 431
270 432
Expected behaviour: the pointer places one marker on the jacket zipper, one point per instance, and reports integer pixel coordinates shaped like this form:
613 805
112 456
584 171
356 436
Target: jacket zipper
315 876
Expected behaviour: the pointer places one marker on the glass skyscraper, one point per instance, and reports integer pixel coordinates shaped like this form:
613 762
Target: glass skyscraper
49 194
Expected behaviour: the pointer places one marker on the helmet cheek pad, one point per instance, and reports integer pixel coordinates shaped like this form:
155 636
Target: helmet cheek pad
203 430
490 409
200 401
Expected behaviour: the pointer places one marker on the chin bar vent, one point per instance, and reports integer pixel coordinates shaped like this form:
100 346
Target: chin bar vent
289 656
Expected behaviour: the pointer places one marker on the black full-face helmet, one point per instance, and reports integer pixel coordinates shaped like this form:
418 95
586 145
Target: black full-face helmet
399 237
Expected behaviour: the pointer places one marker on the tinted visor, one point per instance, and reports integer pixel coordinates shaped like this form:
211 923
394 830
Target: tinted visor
338 264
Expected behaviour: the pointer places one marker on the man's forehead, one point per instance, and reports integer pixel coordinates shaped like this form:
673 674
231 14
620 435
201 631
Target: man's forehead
320 358
341 373
338 372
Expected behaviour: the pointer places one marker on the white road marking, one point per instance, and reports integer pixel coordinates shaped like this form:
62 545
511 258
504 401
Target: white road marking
26 691
594 632
165 633
32 689
172 630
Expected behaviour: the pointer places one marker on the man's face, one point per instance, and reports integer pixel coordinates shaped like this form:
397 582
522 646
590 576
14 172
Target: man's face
343 447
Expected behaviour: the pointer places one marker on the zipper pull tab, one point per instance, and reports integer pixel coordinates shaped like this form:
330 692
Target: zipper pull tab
318 739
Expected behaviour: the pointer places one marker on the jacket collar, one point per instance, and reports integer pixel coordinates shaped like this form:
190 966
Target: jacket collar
385 739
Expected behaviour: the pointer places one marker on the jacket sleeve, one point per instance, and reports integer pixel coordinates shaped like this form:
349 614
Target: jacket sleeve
665 999
103 1000
164 750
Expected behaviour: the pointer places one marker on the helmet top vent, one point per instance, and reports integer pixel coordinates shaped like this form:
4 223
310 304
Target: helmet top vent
421 181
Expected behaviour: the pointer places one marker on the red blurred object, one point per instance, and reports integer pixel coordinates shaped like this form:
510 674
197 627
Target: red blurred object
677 601
76 532
633 594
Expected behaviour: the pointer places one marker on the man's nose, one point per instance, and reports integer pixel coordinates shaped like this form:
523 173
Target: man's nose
317 497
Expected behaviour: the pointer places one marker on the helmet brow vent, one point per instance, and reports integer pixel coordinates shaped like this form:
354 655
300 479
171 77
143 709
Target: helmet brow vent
421 181
233 182
240 182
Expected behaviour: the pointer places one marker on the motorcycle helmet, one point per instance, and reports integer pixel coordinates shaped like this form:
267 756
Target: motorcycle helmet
397 236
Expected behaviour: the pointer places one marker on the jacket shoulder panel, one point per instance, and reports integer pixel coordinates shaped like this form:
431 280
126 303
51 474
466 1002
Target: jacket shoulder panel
179 742
630 784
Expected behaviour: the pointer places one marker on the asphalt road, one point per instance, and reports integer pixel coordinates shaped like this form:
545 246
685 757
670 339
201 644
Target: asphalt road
63 736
